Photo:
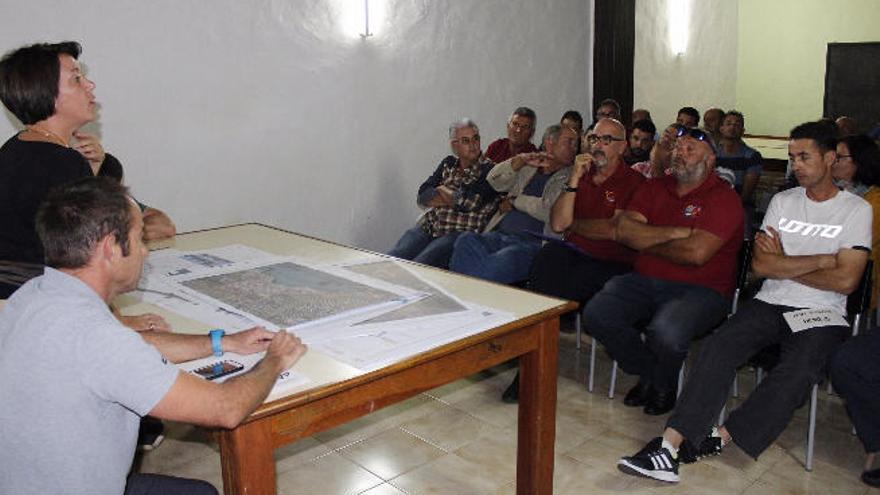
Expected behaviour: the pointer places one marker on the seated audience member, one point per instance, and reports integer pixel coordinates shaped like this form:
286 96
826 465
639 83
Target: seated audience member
659 161
70 410
736 155
812 251
712 119
599 188
520 129
458 196
607 109
856 377
641 141
857 170
846 126
641 114
574 121
688 229
688 117
532 182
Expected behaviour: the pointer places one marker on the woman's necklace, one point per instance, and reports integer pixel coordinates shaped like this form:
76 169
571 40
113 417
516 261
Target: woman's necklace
51 136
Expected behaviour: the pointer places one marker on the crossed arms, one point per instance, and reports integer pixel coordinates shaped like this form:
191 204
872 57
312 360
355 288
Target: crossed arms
838 272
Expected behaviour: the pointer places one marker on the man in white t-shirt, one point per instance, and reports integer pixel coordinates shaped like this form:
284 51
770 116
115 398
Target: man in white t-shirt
75 382
812 250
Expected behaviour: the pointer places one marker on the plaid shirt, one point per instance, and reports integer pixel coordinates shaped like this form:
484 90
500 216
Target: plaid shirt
474 200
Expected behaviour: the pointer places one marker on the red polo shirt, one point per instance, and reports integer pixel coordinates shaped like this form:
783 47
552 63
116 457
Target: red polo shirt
499 150
593 202
714 207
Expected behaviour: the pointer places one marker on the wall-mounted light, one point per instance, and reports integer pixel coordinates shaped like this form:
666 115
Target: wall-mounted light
679 14
363 18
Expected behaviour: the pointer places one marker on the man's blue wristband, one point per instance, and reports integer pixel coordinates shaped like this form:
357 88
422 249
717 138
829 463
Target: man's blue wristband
216 335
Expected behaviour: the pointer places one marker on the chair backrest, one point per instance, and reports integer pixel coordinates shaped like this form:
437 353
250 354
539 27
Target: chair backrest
860 299
742 273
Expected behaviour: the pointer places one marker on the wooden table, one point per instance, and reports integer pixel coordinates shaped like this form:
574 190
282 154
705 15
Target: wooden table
338 394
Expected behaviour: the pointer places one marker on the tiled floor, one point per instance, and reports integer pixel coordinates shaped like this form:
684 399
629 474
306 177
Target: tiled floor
461 439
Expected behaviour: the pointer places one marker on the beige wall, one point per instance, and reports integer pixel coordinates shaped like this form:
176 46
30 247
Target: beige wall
704 76
782 48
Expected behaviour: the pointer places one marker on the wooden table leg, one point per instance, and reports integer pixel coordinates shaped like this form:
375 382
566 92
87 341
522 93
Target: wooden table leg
247 457
537 413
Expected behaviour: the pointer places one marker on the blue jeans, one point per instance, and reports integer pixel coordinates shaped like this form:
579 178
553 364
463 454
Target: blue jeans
419 246
856 378
496 256
671 315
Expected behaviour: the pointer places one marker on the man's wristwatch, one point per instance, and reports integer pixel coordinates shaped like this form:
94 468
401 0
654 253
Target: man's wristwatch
570 189
216 346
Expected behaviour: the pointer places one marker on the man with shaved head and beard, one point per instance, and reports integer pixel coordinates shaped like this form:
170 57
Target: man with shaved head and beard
687 228
812 250
599 189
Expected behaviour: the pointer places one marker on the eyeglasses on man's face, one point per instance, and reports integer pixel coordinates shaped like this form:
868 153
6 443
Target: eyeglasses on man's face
467 141
605 139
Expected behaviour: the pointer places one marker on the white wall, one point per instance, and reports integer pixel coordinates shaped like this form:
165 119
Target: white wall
231 111
703 77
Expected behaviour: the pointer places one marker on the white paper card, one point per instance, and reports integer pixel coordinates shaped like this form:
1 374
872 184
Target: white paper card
804 319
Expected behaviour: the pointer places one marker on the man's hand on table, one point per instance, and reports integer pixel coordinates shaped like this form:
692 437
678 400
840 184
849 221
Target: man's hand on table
285 350
147 322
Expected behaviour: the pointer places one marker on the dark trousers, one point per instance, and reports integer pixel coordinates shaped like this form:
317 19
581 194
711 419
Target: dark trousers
157 484
855 373
671 315
560 271
769 408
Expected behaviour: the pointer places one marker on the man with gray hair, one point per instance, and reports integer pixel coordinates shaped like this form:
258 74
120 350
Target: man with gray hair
459 197
532 182
520 129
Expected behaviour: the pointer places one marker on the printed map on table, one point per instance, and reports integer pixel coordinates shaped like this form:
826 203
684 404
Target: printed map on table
288 294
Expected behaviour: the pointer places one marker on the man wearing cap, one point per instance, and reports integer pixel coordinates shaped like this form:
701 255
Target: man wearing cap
687 228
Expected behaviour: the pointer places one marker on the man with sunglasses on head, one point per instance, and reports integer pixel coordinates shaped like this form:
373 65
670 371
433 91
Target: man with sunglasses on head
520 129
812 250
687 228
459 197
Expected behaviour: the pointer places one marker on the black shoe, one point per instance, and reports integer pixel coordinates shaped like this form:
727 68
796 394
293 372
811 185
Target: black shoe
710 446
638 395
659 402
151 433
872 477
511 395
651 463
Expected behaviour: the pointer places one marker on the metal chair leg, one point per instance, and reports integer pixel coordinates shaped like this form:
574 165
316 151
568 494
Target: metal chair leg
735 392
590 377
811 431
680 381
613 380
722 415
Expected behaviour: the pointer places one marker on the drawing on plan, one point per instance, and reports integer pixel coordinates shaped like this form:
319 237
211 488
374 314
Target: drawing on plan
436 303
287 294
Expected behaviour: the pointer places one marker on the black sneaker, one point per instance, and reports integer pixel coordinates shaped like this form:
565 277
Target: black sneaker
710 446
151 433
656 464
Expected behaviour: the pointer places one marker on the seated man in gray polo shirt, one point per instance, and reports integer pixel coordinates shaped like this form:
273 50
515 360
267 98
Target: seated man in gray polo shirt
76 382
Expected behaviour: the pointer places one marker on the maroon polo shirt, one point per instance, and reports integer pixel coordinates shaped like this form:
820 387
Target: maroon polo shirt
714 207
599 201
499 150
